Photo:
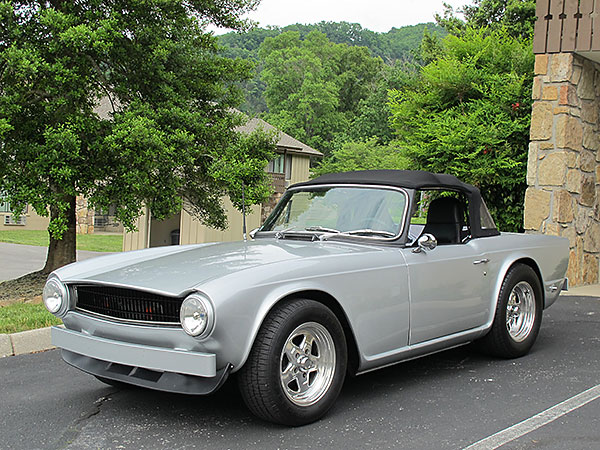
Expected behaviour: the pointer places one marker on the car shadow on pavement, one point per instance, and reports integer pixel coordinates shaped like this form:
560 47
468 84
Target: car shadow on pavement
226 405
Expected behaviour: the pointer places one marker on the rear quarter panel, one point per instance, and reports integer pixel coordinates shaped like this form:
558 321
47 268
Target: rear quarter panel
549 253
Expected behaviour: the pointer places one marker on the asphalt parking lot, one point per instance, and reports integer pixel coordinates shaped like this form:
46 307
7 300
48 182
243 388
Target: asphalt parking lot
445 401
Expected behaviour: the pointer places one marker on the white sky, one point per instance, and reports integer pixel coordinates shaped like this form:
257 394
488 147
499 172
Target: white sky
376 15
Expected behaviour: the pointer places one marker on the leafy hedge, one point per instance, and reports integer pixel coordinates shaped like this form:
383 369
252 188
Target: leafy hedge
468 114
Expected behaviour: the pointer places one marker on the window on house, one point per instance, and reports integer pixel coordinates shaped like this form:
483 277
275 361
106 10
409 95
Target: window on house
281 164
276 165
4 205
14 220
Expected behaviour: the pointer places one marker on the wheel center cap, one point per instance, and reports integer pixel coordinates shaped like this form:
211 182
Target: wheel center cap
304 363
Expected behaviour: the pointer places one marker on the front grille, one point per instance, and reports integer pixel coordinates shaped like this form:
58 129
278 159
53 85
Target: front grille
128 304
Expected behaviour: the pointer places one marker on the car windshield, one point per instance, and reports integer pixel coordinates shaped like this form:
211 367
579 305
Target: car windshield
362 211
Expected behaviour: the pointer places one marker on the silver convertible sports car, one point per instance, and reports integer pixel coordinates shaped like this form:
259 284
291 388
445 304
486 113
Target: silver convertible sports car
350 273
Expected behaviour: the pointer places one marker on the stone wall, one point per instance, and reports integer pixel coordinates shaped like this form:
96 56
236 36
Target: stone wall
84 216
563 172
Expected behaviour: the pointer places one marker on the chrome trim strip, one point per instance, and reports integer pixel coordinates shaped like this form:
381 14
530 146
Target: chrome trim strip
411 358
148 357
425 348
119 320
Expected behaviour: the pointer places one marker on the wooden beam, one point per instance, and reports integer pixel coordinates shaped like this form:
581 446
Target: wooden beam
596 26
542 9
584 29
555 23
570 22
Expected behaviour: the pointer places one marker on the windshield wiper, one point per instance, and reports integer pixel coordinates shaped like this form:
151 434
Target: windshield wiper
369 232
281 233
323 229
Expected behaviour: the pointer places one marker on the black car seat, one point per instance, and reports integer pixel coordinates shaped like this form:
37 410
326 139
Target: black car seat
445 220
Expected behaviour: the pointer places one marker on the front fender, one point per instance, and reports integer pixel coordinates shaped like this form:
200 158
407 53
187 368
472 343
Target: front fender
270 299
240 314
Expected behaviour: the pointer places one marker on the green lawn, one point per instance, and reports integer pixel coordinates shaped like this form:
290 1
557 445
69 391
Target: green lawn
92 242
418 220
25 316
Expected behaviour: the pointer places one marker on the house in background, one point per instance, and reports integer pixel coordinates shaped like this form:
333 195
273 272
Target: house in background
291 165
88 220
563 170
28 220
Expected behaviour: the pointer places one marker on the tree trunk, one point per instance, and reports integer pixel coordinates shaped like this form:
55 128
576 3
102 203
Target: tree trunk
62 251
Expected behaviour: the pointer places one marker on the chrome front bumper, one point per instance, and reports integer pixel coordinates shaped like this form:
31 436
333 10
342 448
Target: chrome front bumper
134 355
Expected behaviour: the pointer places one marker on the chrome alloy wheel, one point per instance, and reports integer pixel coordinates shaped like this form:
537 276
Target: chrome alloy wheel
520 311
307 364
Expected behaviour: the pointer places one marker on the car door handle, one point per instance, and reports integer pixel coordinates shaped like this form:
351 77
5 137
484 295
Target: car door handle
481 261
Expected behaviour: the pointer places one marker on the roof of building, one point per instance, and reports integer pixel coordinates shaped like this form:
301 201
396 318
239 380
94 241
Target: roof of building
285 142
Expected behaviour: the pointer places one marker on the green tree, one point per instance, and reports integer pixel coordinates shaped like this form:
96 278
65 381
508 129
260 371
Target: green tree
363 155
372 118
468 114
170 135
517 16
314 87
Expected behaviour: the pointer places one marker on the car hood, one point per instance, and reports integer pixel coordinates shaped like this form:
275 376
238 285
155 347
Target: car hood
178 269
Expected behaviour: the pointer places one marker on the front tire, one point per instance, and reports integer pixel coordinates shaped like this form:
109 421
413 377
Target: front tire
296 368
518 315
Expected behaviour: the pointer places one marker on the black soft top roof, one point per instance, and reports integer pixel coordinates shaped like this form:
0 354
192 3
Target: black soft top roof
412 179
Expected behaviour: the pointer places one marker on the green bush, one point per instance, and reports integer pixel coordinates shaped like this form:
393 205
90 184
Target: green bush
468 114
367 155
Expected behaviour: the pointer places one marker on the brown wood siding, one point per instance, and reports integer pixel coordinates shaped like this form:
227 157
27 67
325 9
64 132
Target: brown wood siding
567 26
540 30
553 43
278 182
584 26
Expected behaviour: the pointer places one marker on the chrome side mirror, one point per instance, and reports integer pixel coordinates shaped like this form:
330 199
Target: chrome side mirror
253 233
425 242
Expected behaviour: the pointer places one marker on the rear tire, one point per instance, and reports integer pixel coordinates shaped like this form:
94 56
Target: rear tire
296 368
518 315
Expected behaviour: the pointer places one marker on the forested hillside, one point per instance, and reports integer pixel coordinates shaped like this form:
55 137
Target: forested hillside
396 44
399 46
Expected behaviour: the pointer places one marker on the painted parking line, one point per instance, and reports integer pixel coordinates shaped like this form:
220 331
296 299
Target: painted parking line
539 420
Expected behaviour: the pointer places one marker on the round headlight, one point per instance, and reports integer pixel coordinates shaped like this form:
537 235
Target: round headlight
54 295
196 315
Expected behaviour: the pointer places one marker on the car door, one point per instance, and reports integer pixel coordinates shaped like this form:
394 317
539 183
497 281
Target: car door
447 290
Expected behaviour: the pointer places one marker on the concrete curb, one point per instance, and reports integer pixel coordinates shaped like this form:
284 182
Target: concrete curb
590 290
30 341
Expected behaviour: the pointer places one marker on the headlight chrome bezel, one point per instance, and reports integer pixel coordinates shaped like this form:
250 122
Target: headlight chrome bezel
202 302
57 286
